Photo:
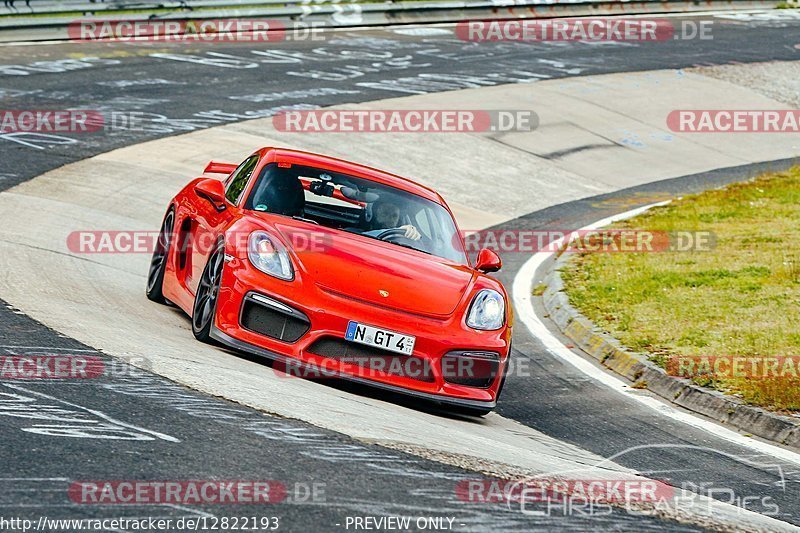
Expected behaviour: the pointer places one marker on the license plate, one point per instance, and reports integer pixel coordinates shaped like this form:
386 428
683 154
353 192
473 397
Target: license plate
380 338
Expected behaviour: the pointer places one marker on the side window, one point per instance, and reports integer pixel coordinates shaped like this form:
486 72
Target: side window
238 180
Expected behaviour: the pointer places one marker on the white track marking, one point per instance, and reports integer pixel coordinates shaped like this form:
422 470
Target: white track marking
522 291
95 412
15 346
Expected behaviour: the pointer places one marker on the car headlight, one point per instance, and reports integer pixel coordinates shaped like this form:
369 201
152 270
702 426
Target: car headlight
269 256
488 310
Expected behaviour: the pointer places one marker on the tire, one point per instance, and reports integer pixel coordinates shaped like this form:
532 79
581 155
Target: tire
158 262
205 299
505 375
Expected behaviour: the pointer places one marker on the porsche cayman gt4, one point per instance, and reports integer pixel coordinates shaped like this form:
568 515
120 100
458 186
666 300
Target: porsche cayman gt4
332 268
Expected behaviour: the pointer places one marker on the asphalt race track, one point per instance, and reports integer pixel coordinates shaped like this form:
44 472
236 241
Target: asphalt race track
138 425
220 440
186 88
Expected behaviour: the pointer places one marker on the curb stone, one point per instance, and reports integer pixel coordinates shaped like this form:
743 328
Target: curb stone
646 374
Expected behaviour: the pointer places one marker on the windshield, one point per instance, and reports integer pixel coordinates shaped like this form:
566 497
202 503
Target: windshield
359 206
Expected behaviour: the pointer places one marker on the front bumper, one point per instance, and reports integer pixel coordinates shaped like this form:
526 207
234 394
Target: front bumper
236 344
328 313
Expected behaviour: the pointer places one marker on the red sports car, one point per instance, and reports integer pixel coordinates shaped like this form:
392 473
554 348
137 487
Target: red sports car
336 269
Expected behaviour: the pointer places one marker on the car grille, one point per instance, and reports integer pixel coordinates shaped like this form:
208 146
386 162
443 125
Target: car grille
272 323
471 368
374 359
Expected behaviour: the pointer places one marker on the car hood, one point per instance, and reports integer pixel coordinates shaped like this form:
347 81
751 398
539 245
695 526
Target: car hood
376 272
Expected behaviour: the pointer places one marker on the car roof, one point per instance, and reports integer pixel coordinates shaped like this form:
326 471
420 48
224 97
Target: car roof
285 155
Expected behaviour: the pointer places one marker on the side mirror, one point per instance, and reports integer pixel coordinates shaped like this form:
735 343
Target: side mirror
488 261
213 191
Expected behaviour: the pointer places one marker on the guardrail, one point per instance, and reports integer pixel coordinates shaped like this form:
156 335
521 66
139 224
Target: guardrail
40 7
337 14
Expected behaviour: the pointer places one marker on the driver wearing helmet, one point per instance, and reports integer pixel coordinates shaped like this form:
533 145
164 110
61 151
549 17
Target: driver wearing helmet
386 215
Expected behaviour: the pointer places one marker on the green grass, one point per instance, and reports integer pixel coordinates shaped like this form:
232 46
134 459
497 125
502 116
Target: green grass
539 289
740 299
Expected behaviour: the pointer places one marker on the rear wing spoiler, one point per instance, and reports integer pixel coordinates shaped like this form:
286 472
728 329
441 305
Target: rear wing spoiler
215 167
335 193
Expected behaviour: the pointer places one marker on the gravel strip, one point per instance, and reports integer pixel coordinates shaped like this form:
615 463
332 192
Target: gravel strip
779 80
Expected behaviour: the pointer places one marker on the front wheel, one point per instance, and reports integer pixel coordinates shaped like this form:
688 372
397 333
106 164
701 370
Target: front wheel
205 299
158 263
